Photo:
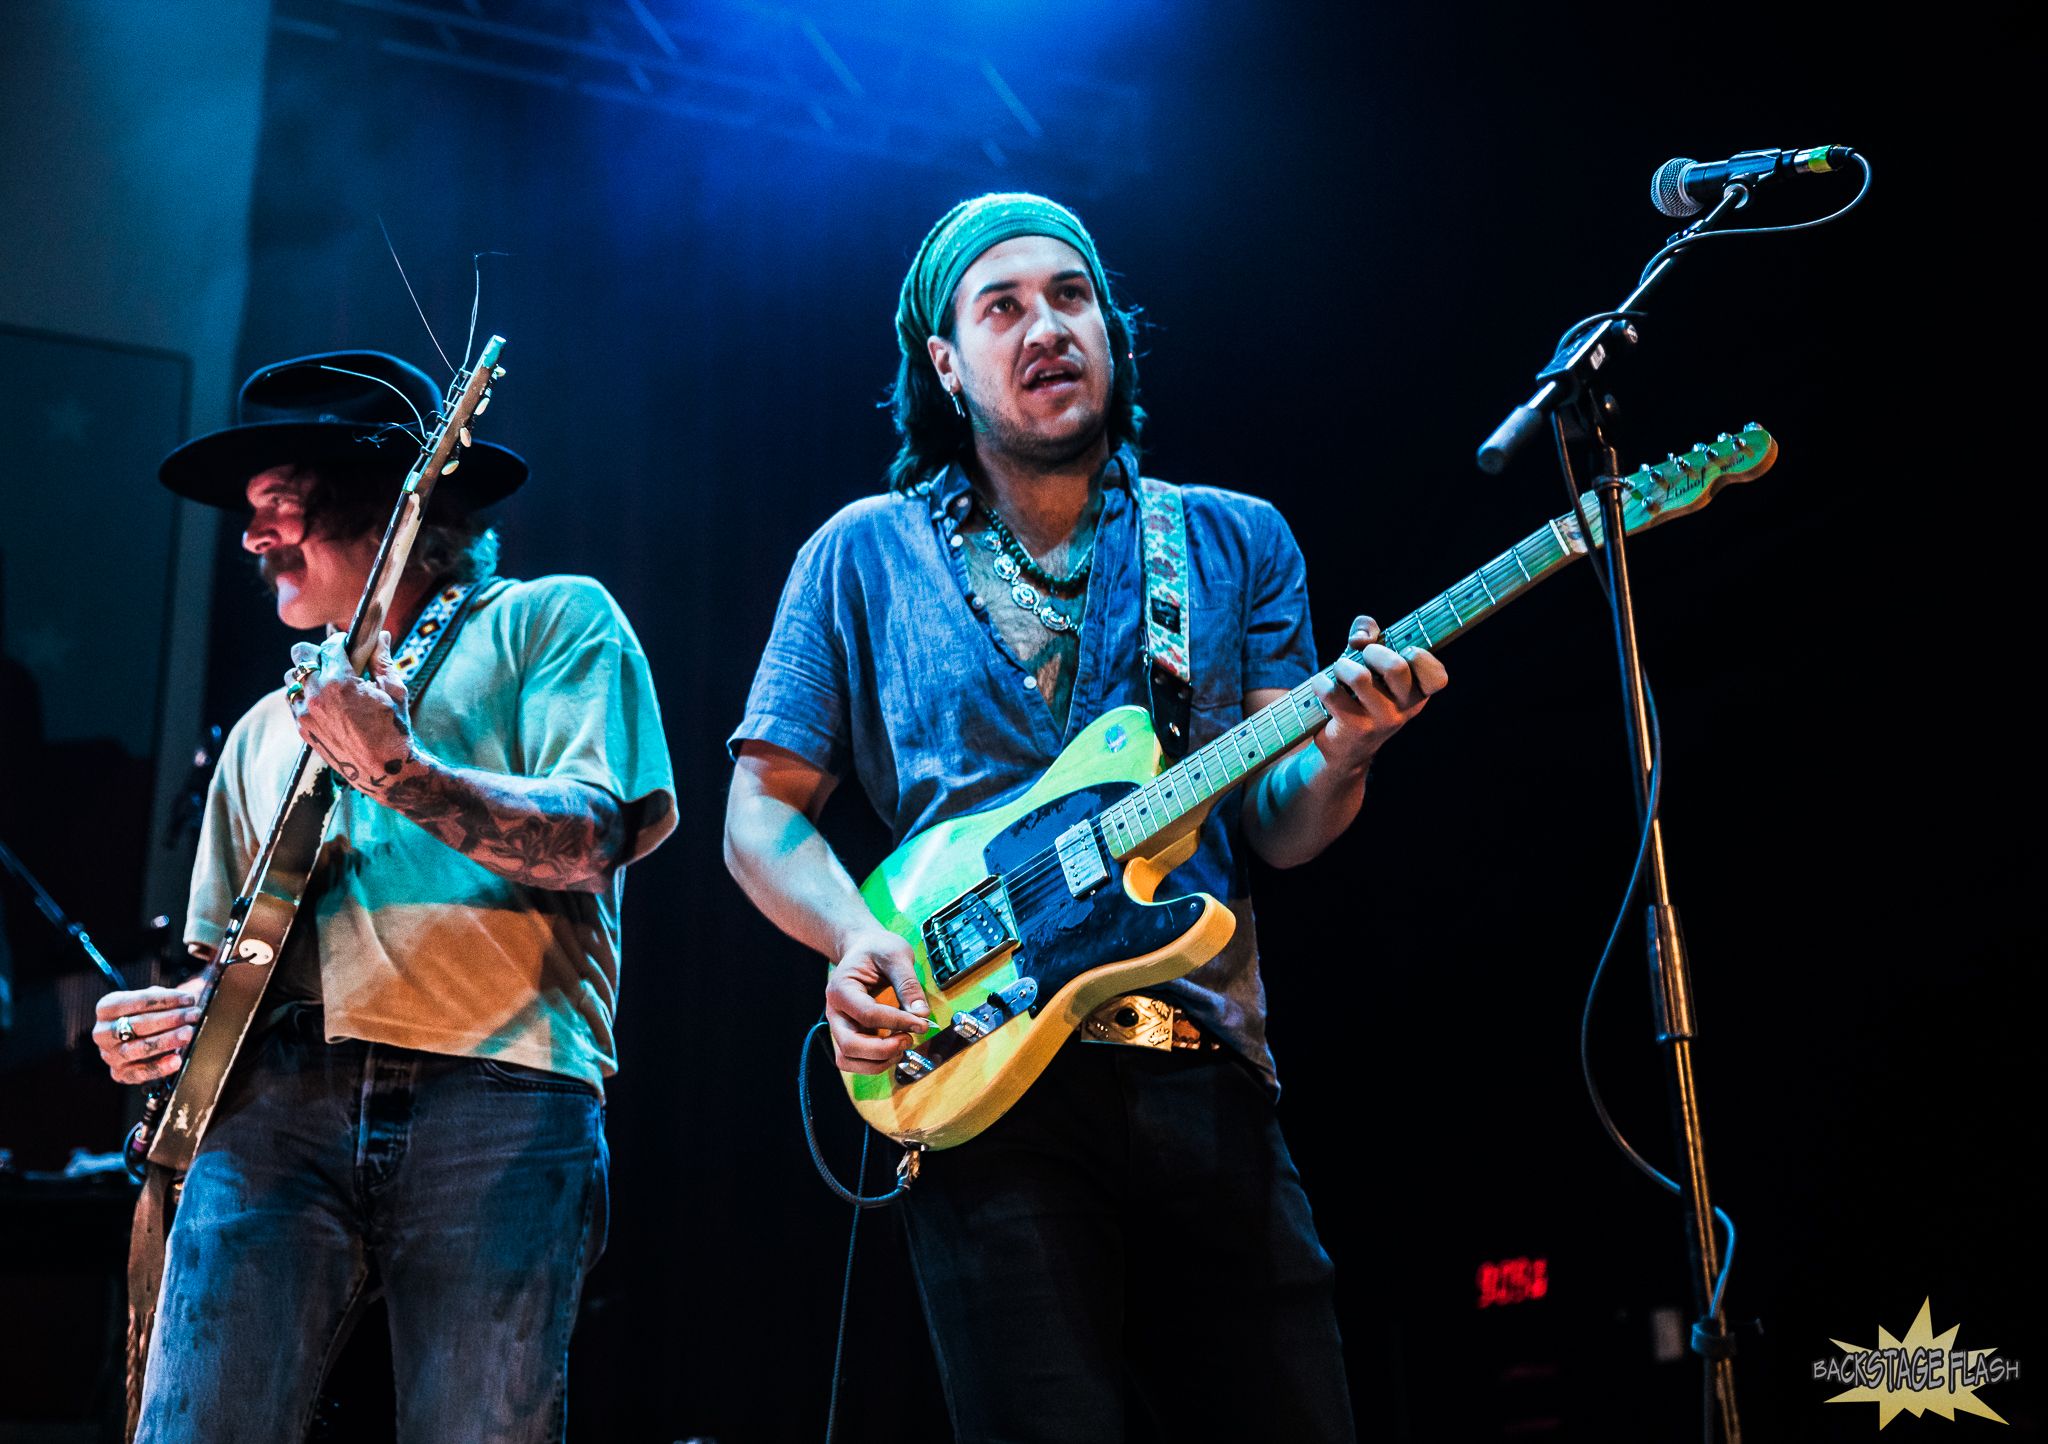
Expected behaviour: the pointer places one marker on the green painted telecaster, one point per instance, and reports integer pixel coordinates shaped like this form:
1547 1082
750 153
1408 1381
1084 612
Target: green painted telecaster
1025 918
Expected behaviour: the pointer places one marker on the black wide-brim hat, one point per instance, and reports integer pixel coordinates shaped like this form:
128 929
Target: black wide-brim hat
343 405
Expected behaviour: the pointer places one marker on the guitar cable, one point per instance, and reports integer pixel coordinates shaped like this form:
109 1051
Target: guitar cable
906 1174
860 1179
906 1171
1635 879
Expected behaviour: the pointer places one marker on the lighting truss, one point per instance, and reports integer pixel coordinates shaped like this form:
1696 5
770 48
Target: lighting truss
769 70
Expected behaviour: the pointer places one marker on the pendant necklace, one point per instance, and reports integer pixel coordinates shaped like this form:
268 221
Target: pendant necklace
1013 564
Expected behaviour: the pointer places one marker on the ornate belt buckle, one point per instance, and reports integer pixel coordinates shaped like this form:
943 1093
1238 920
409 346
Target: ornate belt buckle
1133 1020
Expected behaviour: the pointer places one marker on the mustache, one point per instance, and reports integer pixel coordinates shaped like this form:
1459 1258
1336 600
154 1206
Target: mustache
275 561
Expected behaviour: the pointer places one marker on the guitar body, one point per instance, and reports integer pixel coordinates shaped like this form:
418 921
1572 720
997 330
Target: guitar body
1080 952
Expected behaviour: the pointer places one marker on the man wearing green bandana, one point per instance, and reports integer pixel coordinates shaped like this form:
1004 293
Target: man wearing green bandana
1131 1235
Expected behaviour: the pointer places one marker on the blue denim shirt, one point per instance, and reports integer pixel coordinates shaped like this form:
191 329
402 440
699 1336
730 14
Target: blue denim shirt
883 659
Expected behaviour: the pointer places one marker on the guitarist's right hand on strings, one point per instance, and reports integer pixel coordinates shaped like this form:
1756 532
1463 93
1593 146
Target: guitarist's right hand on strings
160 1023
869 1035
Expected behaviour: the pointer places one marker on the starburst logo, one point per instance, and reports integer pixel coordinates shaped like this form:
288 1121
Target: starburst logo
1919 1374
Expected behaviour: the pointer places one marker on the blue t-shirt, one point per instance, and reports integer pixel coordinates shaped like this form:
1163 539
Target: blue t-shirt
883 660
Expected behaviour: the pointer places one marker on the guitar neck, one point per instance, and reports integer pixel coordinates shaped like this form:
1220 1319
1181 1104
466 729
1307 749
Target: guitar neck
465 397
1208 773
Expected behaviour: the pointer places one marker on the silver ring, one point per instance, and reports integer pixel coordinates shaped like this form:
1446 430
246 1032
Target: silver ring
124 1029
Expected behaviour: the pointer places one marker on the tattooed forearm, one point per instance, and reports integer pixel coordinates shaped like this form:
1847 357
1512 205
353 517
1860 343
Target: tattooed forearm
534 830
567 836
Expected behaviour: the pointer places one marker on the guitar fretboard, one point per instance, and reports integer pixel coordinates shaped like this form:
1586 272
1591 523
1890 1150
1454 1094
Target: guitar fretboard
1213 770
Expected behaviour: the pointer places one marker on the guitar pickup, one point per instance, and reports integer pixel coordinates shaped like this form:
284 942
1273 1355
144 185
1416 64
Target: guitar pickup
1082 859
968 931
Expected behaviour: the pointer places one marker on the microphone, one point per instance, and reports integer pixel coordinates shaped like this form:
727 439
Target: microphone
1686 187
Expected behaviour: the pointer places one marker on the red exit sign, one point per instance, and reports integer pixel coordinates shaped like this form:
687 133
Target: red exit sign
1513 1281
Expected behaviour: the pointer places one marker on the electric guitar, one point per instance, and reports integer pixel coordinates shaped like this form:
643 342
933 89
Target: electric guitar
175 1119
1027 917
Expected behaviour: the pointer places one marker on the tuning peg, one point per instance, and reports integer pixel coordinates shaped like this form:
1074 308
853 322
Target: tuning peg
465 435
453 462
483 403
497 373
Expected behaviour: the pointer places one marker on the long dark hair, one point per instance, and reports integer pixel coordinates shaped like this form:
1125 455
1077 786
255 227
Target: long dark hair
354 498
934 435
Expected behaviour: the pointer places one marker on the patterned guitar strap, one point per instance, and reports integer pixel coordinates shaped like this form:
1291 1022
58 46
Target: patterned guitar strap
1170 680
417 659
425 647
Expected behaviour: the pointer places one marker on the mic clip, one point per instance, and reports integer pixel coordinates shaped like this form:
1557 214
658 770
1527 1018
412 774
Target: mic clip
1580 356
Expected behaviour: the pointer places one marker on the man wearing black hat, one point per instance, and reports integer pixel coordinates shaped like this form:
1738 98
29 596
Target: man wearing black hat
1133 1227
419 1106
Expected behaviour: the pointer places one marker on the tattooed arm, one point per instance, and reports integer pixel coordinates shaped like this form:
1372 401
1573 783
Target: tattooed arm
568 836
544 832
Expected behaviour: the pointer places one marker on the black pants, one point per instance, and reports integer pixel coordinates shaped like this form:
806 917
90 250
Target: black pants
1131 1234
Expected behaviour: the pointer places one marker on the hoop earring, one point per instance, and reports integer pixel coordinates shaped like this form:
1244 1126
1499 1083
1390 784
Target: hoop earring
958 410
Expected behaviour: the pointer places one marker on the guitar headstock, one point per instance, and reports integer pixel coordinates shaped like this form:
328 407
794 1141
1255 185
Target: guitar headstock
469 394
1686 483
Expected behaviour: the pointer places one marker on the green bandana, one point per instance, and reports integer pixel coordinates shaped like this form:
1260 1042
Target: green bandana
958 240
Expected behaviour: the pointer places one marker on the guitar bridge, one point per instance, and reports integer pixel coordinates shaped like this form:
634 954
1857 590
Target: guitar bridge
968 931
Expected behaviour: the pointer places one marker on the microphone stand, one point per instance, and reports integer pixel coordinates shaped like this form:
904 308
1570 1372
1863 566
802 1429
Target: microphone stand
1670 969
59 919
1566 384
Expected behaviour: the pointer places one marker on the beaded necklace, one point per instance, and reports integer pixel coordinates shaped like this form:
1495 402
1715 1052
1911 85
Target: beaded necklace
1012 563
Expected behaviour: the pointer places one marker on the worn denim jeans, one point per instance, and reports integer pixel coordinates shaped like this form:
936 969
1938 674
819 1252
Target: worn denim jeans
1128 1254
472 1192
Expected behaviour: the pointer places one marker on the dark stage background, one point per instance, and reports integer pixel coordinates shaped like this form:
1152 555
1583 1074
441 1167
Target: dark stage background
1355 236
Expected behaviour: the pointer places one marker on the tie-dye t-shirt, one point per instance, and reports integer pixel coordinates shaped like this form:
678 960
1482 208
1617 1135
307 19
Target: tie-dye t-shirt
417 945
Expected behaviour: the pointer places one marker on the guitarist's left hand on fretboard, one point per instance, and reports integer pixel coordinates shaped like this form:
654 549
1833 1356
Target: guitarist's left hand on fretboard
1305 802
360 726
1373 697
